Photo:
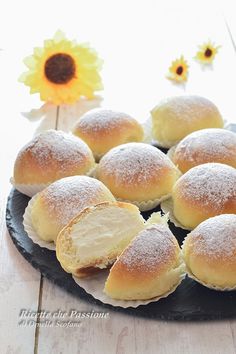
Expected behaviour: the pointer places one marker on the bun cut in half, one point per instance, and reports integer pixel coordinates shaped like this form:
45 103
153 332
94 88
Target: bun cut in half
57 204
150 266
97 236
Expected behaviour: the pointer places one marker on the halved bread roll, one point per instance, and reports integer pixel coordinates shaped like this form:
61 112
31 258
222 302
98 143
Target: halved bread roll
60 202
97 236
150 266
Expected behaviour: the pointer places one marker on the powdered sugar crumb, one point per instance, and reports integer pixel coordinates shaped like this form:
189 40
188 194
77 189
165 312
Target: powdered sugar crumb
215 237
102 119
152 247
65 198
212 184
188 108
134 163
207 143
57 146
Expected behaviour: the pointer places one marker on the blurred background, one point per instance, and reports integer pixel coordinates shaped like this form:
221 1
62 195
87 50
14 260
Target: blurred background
137 41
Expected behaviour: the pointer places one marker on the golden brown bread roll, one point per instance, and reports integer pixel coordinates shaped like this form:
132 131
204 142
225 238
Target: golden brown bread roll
137 172
210 252
57 204
95 237
50 156
150 266
103 129
176 117
206 145
204 191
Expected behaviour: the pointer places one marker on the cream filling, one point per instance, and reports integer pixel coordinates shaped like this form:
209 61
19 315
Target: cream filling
104 234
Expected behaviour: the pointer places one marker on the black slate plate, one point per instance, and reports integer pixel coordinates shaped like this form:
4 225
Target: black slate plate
190 301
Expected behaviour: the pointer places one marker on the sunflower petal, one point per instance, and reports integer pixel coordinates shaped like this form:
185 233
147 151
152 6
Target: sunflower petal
59 36
30 62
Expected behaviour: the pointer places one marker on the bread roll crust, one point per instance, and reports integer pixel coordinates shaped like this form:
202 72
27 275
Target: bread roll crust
103 129
137 172
50 156
203 146
176 117
210 251
57 204
204 191
150 266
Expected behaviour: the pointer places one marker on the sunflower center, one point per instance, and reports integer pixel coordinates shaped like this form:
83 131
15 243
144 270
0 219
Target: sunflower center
208 52
60 68
179 70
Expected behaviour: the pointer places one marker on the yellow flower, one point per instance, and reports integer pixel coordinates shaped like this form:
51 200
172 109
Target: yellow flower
63 71
206 53
178 71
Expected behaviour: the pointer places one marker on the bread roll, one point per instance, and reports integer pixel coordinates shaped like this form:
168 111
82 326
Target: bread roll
103 129
204 191
137 172
50 156
206 145
150 266
97 236
210 251
56 205
176 117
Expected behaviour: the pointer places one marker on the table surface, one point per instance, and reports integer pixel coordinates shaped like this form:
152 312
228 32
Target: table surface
137 41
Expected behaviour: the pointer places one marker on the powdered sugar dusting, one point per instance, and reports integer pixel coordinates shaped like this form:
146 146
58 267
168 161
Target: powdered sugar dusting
102 119
150 249
215 237
57 146
212 184
134 163
65 198
210 144
188 108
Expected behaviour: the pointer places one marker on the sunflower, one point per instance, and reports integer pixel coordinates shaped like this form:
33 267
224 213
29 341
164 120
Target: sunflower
178 71
63 71
207 53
